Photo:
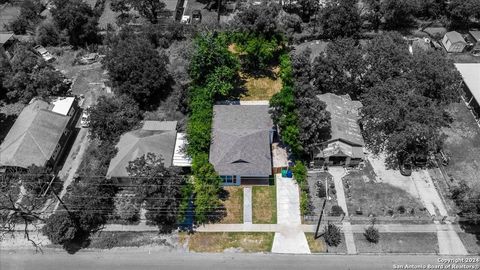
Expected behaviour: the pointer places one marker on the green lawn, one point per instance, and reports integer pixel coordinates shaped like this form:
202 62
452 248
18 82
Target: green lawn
233 204
398 243
219 242
264 204
379 198
319 245
261 88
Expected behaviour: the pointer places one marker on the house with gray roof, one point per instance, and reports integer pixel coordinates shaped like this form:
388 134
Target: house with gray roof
240 149
40 134
454 42
158 137
345 146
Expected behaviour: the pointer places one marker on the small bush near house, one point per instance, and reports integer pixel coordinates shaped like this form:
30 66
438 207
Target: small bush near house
304 203
372 235
300 173
333 237
401 209
337 211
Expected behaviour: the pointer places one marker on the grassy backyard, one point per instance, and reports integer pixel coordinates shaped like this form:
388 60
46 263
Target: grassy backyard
399 243
379 199
233 204
463 146
264 205
261 87
319 245
220 242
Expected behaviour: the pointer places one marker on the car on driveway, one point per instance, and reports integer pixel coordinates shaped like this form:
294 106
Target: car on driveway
84 121
196 16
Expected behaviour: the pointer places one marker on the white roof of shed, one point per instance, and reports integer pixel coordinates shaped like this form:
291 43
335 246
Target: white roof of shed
471 76
180 158
62 105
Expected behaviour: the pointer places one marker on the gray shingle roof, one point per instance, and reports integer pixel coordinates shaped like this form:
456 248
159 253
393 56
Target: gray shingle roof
150 138
241 140
4 37
455 37
344 121
33 137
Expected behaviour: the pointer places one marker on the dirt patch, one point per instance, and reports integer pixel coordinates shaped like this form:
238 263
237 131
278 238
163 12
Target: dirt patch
261 87
228 242
399 243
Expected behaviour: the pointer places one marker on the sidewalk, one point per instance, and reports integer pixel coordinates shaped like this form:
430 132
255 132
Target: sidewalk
247 205
338 173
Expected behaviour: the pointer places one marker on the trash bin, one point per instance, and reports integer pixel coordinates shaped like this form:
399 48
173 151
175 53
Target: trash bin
289 174
284 172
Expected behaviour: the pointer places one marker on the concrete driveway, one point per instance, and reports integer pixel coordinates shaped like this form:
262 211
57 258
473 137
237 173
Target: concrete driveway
290 238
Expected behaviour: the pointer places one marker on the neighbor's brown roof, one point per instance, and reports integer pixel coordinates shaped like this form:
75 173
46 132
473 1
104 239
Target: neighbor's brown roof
155 137
33 137
344 118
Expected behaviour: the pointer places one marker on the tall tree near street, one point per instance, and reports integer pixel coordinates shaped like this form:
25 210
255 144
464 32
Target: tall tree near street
138 70
159 187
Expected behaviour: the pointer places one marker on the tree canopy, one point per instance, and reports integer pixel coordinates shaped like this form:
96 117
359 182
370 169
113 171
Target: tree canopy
78 19
112 116
150 9
138 70
341 18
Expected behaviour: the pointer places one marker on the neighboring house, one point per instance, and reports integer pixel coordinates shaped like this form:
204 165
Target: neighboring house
345 147
7 44
40 134
158 137
240 149
454 42
476 37
471 85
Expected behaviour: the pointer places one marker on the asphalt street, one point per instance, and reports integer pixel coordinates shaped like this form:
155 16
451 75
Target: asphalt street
142 258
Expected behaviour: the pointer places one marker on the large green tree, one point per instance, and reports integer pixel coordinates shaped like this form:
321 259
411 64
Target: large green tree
461 12
78 19
138 70
150 9
112 116
341 18
259 19
159 187
398 14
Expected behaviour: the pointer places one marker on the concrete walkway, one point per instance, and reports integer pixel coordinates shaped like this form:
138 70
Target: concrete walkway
338 173
448 241
289 238
74 158
247 205
428 193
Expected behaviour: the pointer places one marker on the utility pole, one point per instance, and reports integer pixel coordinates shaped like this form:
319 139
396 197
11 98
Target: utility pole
319 221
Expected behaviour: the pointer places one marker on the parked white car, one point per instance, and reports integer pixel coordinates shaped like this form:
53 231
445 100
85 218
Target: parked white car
46 55
185 19
84 121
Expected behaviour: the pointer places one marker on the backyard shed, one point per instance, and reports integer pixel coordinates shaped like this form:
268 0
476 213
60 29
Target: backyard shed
454 42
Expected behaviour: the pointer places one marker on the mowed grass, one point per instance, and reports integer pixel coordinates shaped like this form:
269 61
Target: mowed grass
378 198
463 146
319 245
264 204
398 243
262 87
471 242
219 242
233 206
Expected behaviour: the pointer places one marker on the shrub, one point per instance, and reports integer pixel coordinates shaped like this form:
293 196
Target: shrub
47 34
321 191
401 209
332 235
372 235
300 173
304 203
390 212
126 207
337 211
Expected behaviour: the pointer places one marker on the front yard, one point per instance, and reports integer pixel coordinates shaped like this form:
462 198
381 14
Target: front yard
233 203
319 184
471 242
367 198
264 204
319 245
221 242
399 243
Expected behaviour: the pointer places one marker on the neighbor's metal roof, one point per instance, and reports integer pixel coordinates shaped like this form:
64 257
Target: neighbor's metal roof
471 76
